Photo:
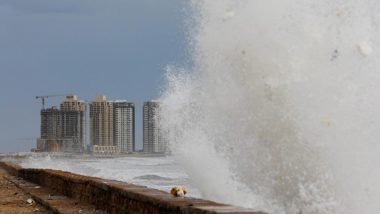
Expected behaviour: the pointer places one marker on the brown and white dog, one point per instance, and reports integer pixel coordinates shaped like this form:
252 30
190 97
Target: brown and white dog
178 191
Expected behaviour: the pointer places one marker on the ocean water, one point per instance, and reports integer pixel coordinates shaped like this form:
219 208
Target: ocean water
154 172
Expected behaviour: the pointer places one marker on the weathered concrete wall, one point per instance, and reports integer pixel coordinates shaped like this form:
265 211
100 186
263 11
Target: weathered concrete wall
118 197
10 167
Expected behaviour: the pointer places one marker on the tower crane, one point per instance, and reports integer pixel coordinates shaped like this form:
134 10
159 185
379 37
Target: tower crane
43 97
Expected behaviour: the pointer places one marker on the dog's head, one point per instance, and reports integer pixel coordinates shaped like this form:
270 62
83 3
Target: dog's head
178 191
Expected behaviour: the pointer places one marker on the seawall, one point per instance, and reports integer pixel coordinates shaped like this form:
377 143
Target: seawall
118 197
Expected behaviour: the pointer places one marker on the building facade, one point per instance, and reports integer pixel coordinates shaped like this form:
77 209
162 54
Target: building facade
112 126
153 139
50 130
63 130
124 126
73 117
50 123
101 122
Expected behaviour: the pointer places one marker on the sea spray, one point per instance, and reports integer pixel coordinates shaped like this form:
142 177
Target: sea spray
280 111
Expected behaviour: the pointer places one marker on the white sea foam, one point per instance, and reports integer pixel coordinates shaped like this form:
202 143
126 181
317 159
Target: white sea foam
280 111
155 172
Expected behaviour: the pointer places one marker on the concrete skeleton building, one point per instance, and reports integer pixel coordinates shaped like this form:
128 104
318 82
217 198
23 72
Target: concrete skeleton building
50 123
63 130
49 130
153 135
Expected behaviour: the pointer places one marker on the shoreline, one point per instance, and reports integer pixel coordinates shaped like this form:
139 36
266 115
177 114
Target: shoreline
22 155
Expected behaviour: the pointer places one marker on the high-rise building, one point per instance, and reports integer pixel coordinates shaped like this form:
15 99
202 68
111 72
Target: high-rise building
50 123
50 130
101 122
73 113
112 126
63 130
124 125
153 139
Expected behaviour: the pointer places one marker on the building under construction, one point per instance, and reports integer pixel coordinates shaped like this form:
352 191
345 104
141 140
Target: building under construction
63 130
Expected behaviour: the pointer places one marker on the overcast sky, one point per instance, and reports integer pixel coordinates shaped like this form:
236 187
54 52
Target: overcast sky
118 48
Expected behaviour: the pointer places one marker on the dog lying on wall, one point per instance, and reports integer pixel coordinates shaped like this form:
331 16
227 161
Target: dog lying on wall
178 191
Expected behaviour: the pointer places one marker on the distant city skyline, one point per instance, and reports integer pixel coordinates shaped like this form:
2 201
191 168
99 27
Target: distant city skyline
110 125
86 48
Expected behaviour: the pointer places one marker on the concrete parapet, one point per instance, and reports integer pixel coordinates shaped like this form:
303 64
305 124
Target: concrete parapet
119 197
11 168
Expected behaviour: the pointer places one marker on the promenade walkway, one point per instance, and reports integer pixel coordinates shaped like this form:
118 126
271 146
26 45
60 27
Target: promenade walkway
13 200
18 196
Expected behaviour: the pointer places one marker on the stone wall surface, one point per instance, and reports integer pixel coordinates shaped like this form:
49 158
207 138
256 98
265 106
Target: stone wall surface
118 197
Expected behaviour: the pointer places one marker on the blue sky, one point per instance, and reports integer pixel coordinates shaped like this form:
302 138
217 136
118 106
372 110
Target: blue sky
118 48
